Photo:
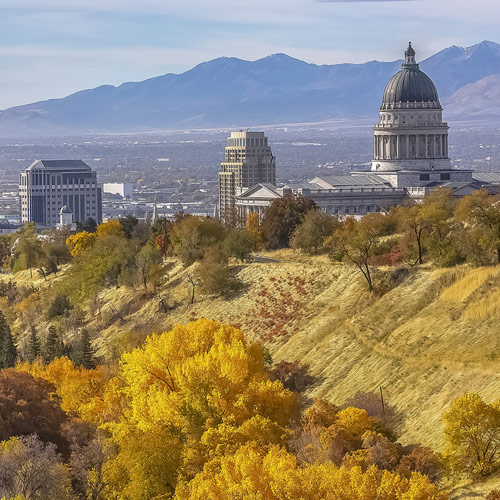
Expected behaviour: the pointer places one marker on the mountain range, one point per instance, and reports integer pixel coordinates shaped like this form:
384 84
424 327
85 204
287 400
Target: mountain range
231 92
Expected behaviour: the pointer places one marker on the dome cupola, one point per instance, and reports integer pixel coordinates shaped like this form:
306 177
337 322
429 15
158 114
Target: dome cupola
410 87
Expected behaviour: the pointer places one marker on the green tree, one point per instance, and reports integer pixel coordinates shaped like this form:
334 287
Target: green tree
89 225
33 350
311 234
59 306
28 248
282 217
8 350
192 236
355 242
84 352
128 224
53 347
239 243
148 264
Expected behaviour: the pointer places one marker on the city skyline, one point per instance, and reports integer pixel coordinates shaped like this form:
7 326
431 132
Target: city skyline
83 45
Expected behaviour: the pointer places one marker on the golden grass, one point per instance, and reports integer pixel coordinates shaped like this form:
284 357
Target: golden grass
466 286
484 308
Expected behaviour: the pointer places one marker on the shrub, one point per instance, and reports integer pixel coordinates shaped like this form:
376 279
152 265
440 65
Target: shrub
59 306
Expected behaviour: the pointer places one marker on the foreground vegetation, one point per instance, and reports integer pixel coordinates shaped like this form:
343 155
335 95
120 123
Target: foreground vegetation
203 409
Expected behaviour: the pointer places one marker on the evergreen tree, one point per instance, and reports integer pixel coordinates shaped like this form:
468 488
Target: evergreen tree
84 352
8 351
33 345
53 345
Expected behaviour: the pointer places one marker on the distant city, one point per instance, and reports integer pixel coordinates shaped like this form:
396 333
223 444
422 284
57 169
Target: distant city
179 169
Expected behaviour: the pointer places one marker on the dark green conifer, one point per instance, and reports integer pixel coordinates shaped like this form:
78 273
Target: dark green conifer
8 351
84 352
33 345
53 345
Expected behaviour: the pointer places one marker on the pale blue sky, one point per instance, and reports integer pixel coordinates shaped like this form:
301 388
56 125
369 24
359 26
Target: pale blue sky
51 48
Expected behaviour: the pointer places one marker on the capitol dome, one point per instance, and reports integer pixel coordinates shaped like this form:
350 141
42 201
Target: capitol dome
410 87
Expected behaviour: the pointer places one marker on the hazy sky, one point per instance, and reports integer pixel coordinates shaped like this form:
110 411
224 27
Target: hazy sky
51 48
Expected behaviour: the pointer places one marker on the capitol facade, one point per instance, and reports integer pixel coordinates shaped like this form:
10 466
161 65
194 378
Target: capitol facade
410 157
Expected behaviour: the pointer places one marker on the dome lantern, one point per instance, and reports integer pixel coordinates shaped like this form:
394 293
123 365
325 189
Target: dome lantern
410 87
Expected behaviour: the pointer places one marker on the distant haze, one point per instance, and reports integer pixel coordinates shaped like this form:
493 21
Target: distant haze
230 92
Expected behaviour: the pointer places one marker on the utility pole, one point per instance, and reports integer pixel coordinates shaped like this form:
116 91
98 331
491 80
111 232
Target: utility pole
382 401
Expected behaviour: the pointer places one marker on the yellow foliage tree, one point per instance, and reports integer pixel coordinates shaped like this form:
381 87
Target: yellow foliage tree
253 227
90 394
275 475
110 228
202 391
472 430
78 243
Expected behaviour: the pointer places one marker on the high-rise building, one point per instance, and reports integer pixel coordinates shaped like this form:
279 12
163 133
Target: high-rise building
48 185
248 161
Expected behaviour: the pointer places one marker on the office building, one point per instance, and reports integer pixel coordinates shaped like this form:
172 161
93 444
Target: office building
48 185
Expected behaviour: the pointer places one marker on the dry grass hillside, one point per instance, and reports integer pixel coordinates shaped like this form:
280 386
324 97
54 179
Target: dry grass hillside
428 340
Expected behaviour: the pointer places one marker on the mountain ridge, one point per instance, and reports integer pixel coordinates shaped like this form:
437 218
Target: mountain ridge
229 91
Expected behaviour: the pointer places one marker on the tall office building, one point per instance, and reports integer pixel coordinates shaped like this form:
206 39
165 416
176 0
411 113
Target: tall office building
248 161
48 185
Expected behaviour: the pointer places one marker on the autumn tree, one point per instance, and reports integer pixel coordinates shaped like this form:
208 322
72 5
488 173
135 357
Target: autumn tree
110 228
472 430
191 236
428 219
160 234
79 243
27 406
253 228
195 393
311 234
481 215
274 474
281 219
355 242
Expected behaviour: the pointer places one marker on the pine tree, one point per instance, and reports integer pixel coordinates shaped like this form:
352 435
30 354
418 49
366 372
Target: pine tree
84 352
53 345
8 351
33 345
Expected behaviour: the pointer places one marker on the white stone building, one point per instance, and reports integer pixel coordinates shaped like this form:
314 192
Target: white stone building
410 157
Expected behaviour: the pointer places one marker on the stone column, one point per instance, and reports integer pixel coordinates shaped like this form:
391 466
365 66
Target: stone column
398 147
407 154
426 150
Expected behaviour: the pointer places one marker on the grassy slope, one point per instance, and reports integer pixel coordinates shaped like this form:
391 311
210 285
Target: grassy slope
427 341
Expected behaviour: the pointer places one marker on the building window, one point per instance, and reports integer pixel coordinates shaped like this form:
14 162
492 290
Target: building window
424 177
445 177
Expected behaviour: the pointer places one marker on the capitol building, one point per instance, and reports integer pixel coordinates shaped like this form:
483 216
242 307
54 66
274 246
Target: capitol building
410 158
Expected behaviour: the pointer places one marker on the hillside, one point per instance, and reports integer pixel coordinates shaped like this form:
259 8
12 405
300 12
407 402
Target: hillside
231 92
426 341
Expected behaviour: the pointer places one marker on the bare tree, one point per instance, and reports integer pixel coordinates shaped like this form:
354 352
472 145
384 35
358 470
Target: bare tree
32 469
87 464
